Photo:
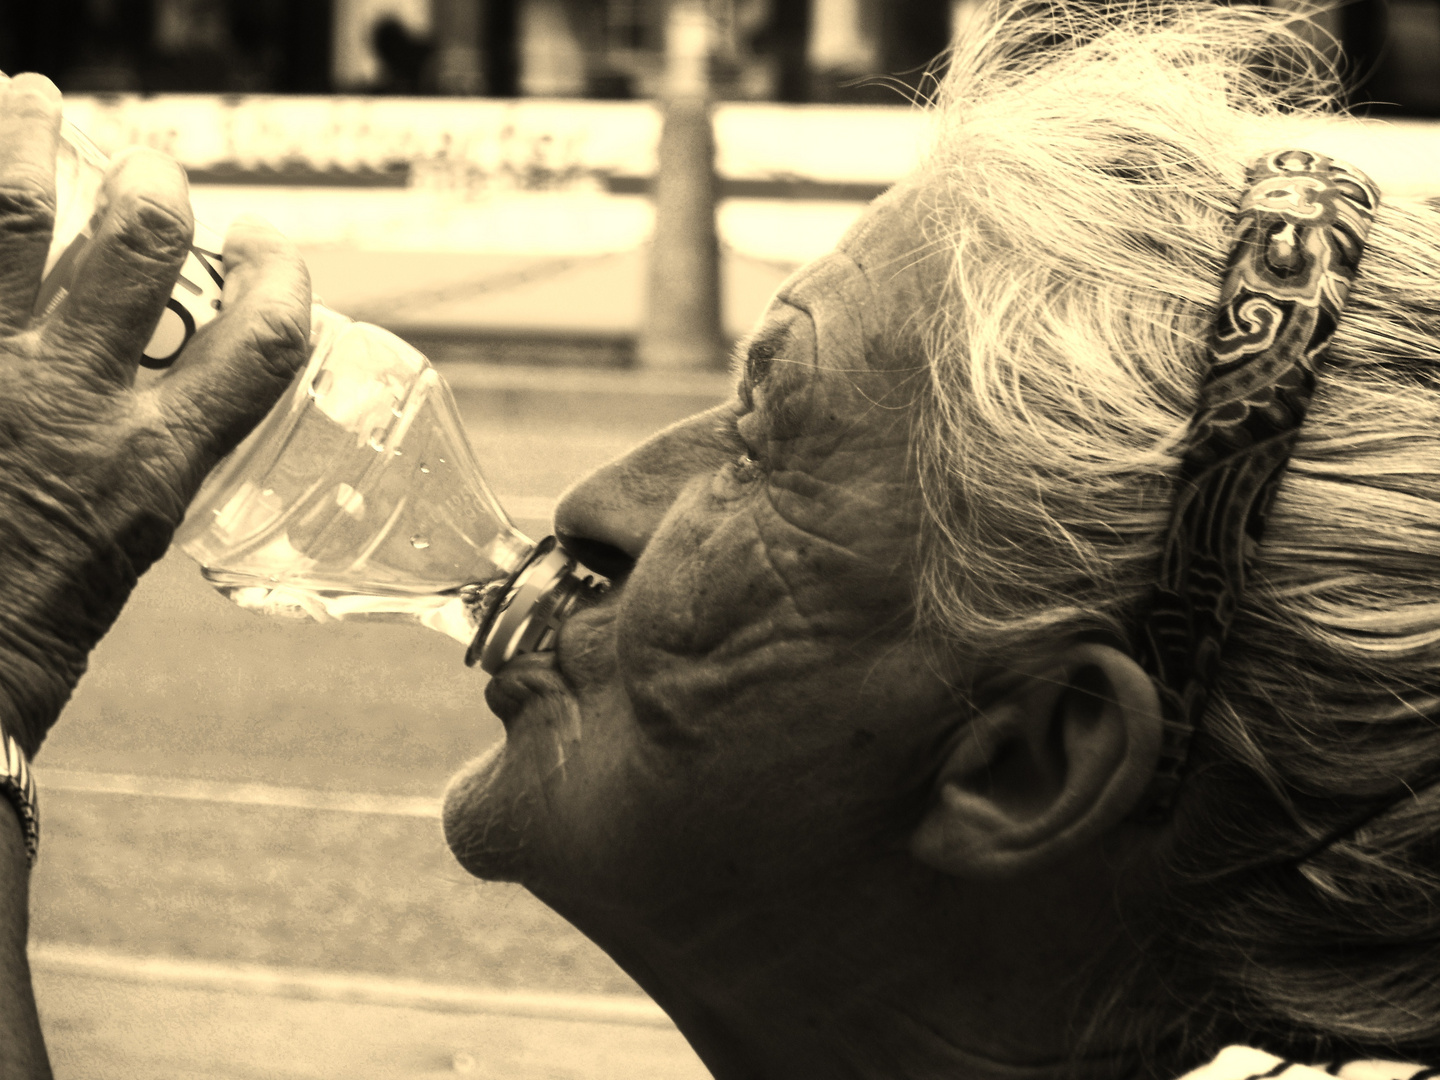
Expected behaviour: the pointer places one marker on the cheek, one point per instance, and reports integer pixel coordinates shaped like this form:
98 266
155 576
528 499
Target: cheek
702 583
815 765
718 611
734 566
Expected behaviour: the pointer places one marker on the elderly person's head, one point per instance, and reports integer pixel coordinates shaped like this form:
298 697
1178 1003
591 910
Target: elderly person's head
850 769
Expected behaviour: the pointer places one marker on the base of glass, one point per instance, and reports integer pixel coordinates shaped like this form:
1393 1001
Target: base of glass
537 599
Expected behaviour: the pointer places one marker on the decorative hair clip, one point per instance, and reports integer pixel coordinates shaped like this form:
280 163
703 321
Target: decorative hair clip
1297 240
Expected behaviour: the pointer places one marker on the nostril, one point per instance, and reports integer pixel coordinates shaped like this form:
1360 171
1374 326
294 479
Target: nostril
597 555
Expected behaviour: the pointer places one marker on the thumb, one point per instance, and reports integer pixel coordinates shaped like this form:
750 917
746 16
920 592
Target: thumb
235 369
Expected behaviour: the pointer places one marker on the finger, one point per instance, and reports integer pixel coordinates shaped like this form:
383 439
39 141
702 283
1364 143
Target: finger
29 137
235 368
128 269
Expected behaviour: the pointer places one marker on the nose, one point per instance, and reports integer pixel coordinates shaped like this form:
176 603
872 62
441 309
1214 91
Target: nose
606 519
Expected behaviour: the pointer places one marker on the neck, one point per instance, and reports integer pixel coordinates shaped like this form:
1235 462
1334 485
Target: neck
957 982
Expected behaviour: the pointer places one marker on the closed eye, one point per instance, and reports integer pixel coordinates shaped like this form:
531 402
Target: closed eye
753 359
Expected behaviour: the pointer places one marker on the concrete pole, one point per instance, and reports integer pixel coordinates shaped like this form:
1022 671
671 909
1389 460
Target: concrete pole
790 25
456 28
682 316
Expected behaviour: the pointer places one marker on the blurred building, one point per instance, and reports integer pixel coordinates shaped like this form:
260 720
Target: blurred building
786 50
226 46
841 51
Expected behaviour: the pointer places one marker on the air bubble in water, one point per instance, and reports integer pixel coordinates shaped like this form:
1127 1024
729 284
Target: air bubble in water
376 441
419 542
425 468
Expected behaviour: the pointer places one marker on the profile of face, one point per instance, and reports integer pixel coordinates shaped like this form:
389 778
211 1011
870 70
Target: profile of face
744 715
748 774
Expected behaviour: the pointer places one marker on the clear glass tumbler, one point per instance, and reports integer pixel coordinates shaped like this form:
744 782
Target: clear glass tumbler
358 495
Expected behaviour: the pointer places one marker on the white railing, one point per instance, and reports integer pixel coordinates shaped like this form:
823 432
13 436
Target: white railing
526 144
537 179
503 177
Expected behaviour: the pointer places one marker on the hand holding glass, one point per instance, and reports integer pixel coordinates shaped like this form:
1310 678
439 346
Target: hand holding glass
359 494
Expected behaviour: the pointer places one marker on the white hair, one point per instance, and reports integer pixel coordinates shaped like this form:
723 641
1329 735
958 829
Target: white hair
1087 165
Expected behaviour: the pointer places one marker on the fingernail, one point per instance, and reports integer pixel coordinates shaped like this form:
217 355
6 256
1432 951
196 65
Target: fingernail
35 83
253 221
142 165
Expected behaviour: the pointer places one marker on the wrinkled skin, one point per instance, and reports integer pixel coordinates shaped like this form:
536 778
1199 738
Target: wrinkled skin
718 781
765 625
95 471
95 468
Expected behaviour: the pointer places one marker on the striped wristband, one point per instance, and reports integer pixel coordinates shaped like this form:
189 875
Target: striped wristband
17 783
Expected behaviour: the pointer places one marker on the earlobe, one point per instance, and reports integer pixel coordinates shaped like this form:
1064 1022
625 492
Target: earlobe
1050 764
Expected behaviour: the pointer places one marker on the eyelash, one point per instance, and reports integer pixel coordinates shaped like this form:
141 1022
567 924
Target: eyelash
746 468
759 356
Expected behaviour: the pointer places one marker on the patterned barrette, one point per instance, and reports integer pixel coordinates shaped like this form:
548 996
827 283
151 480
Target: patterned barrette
1297 240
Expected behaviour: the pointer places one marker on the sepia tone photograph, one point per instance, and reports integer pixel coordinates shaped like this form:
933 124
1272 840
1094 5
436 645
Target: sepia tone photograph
754 539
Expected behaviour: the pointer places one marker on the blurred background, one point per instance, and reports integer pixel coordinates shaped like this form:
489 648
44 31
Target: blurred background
492 172
573 208
763 50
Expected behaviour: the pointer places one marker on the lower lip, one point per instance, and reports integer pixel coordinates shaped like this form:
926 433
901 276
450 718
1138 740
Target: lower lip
524 678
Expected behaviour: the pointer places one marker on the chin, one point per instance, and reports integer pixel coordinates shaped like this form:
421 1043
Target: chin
486 815
495 808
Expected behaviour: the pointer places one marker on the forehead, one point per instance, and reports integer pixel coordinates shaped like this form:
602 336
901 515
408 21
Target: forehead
867 302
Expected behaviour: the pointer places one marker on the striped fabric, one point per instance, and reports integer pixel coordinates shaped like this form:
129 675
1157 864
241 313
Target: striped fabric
17 785
1245 1063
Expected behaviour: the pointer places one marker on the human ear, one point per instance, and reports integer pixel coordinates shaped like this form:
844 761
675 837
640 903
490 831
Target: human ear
1053 760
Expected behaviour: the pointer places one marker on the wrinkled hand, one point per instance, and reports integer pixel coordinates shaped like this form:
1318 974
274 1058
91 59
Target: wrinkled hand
95 472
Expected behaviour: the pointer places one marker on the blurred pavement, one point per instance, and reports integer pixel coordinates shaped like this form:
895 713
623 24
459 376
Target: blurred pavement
478 302
198 1032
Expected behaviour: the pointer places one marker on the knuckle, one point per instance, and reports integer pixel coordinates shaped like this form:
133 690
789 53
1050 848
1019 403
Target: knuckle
186 418
165 456
26 208
155 232
280 340
202 429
